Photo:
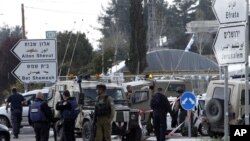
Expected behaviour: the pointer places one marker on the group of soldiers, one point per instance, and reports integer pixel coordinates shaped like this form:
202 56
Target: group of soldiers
41 117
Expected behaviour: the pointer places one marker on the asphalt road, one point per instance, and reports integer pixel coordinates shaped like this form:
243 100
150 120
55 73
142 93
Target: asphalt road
27 134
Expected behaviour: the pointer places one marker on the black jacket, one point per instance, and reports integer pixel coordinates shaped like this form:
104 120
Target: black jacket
160 104
61 106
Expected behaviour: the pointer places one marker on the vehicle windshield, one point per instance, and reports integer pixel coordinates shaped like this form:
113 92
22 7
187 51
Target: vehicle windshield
116 94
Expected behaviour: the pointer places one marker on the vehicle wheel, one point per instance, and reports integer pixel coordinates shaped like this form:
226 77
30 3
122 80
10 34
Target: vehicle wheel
3 138
86 131
135 134
203 129
4 121
215 134
215 110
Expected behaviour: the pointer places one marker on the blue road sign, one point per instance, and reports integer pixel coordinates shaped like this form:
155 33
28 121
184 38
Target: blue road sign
188 101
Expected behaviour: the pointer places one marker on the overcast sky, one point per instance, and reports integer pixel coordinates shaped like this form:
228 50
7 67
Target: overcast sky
56 15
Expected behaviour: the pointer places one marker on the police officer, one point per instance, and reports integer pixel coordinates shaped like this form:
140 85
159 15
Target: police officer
17 101
104 112
160 106
40 116
69 112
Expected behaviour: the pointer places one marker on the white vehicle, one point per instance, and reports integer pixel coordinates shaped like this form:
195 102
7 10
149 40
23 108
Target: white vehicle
200 121
199 117
29 97
125 122
215 105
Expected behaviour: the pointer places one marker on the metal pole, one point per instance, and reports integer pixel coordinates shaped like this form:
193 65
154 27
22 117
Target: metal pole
226 104
102 60
23 22
221 72
25 87
246 68
189 124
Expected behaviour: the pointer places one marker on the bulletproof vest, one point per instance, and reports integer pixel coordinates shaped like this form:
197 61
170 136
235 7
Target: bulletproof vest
102 108
73 112
36 114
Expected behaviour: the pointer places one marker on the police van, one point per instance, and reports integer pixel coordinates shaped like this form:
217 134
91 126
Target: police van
125 122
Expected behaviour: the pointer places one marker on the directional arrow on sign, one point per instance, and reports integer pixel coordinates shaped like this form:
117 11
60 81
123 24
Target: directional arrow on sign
188 100
191 100
184 101
229 45
36 72
36 49
230 11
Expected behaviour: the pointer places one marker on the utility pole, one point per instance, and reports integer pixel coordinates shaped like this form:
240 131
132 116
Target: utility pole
23 22
102 60
26 85
151 35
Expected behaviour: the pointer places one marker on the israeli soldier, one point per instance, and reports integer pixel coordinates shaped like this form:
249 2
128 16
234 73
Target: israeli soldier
40 116
104 112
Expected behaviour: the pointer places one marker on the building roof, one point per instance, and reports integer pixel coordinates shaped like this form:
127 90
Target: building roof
178 60
173 60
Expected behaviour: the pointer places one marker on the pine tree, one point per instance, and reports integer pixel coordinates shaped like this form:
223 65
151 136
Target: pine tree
137 53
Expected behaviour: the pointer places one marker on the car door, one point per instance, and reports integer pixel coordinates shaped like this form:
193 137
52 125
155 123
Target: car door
140 99
28 99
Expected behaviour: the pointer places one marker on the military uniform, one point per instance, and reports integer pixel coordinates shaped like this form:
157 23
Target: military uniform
104 112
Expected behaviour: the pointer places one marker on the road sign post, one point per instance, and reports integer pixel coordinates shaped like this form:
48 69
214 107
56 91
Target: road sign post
233 47
37 49
50 34
246 68
230 11
188 102
226 126
230 45
38 61
36 72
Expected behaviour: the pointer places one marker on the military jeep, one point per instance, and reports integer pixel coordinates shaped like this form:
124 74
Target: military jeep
125 122
214 105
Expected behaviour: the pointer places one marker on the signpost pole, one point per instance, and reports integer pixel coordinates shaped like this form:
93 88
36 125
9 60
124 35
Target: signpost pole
25 87
226 105
188 101
246 68
189 123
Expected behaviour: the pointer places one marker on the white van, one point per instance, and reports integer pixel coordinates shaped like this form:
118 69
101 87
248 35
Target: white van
29 97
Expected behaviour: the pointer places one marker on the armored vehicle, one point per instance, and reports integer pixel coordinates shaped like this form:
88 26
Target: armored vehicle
214 105
125 122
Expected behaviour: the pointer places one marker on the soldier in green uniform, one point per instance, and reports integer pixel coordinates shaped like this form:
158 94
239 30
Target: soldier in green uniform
104 112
